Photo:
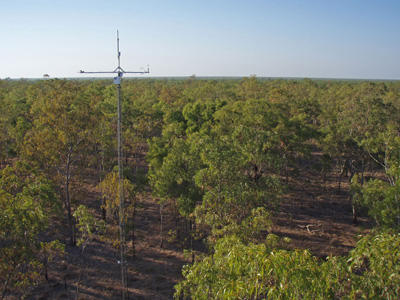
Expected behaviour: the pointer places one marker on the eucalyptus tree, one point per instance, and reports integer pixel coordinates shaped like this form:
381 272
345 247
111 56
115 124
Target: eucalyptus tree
174 159
335 139
380 197
241 161
173 181
367 116
237 270
14 117
354 119
109 187
102 141
27 204
58 141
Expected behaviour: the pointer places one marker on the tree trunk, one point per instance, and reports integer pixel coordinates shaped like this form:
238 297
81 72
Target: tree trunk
192 231
340 166
161 225
352 171
103 208
71 228
339 183
342 171
133 227
177 231
362 168
355 221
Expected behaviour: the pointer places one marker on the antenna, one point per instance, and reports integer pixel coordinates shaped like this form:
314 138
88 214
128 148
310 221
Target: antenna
119 53
118 70
117 81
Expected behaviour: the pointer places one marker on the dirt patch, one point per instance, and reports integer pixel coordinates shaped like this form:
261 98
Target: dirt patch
152 271
312 214
318 217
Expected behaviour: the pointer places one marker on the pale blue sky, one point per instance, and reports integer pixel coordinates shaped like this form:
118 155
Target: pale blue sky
281 38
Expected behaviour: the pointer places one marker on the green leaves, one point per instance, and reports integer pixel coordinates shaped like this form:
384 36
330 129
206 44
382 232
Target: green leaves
381 197
27 202
381 201
375 266
224 158
87 225
110 190
174 177
239 271
240 157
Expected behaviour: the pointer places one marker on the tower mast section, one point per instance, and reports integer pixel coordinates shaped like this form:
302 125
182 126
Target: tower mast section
117 81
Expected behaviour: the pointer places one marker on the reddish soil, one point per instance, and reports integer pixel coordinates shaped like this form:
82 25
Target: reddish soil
312 214
315 216
152 272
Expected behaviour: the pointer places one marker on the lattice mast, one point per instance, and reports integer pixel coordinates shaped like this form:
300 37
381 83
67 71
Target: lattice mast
117 81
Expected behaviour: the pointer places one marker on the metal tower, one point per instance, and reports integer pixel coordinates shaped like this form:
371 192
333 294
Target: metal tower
117 81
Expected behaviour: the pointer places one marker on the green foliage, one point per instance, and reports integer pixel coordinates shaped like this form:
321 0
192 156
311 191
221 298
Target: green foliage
58 139
174 178
219 151
240 158
239 271
110 190
381 197
14 119
200 114
87 225
62 121
375 267
27 202
249 229
381 200
221 158
263 271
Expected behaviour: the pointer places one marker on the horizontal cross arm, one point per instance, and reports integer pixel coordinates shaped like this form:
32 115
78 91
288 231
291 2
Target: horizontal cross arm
100 72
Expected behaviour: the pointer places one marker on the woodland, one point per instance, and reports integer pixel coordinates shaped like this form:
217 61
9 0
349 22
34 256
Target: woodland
247 188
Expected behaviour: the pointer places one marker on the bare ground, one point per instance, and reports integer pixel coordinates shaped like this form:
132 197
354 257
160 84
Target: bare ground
317 217
312 214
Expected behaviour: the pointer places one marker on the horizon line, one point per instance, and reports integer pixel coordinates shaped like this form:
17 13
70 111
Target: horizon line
202 77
